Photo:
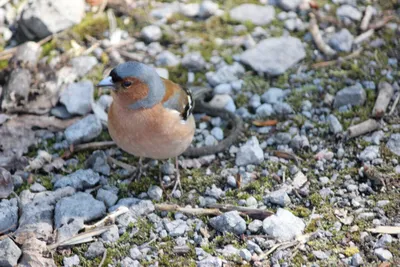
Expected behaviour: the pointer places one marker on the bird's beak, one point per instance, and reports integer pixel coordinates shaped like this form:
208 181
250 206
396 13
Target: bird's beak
106 82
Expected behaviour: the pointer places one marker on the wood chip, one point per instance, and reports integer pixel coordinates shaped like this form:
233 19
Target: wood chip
362 128
265 123
386 92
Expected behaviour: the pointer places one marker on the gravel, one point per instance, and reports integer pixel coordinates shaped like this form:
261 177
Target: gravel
95 249
283 226
108 197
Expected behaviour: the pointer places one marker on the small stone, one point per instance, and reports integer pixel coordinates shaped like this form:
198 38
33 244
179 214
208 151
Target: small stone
83 65
214 192
245 254
320 254
167 59
289 5
112 235
342 41
251 202
258 15
273 95
382 203
8 215
383 254
279 197
217 133
283 226
348 11
210 261
223 102
176 228
354 95
265 110
283 108
225 74
229 222
6 183
369 153
299 180
84 130
61 112
108 197
128 262
78 97
194 61
9 253
98 162
357 260
255 226
135 253
207 9
324 180
250 153
231 181
36 188
223 89
71 261
95 249
81 179
210 140
155 192
394 143
151 33
334 125
384 240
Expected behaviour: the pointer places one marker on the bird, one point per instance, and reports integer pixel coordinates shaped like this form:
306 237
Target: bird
150 117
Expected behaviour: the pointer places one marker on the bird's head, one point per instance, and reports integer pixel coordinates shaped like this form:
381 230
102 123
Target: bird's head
135 85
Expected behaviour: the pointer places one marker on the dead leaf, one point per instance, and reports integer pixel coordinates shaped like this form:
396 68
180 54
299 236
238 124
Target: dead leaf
265 123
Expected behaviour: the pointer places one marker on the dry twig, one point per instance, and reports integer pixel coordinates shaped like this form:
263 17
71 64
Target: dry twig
364 36
362 128
318 40
392 230
382 101
369 11
109 219
396 101
104 258
339 60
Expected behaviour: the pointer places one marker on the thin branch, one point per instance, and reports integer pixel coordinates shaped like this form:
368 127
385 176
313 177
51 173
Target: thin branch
109 219
88 146
362 128
381 23
386 92
396 101
369 11
191 211
339 60
318 40
104 258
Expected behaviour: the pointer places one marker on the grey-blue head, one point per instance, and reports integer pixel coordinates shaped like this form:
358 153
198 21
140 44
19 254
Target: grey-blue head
124 76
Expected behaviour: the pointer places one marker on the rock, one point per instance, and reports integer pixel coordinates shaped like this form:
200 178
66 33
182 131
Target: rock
6 183
299 180
78 97
265 110
357 260
283 226
348 11
83 65
98 162
42 18
84 130
128 262
218 133
151 33
385 240
225 74
299 142
255 226
79 206
207 9
274 56
258 15
155 192
81 179
394 144
369 153
210 261
108 197
223 89
334 125
95 249
250 153
245 254
135 253
283 108
71 261
190 10
111 235
167 59
28 54
176 228
9 253
353 95
289 5
8 215
165 11
342 41
60 112
37 188
194 61
142 208
320 254
273 95
17 89
383 254
214 192
278 197
229 222
223 102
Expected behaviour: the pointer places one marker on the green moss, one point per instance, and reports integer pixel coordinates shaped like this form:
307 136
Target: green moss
316 199
48 47
93 24
3 64
350 251
142 184
301 212
241 100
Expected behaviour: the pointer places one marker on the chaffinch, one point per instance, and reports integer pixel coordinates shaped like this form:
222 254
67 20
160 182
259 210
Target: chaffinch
150 116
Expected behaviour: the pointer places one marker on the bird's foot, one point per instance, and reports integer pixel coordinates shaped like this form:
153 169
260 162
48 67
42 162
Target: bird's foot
138 173
178 179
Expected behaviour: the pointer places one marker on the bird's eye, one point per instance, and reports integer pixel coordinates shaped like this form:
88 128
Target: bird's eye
126 84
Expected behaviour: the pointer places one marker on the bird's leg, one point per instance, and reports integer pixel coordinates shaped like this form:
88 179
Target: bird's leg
137 174
178 177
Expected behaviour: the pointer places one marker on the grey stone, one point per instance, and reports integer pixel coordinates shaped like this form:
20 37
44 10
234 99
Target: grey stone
210 261
265 110
142 208
383 254
283 108
334 125
69 229
255 226
320 254
80 206
275 55
135 253
229 222
155 192
245 254
207 9
81 179
176 228
278 197
168 168
394 143
71 261
382 203
273 95
167 59
223 102
8 215
6 183
342 41
353 95
283 226
357 260
61 112
348 11
37 188
258 15
223 89
17 89
151 33
194 61
128 262
250 153
210 140
385 240
84 130
289 5
83 65
299 180
28 53
324 180
98 162
369 153
78 97
217 133
214 192
42 18
9 253
111 235
299 142
225 74
108 197
95 249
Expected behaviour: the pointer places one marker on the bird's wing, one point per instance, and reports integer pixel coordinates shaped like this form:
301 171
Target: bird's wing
178 98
